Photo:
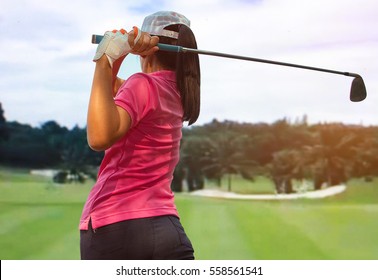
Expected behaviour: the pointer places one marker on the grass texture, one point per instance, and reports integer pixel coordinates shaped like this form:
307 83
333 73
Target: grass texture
39 220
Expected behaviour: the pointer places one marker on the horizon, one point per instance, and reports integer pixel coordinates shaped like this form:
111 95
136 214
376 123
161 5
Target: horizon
290 121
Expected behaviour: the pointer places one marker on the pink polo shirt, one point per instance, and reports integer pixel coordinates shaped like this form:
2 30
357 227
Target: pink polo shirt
136 172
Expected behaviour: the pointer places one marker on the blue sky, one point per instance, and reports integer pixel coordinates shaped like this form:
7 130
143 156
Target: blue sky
46 57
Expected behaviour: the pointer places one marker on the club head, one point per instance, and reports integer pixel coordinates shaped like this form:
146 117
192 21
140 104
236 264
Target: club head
358 89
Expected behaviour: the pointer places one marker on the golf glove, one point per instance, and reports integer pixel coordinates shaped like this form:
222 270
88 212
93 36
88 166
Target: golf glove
115 45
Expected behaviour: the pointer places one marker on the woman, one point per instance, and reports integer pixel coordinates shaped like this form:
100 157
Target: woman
130 212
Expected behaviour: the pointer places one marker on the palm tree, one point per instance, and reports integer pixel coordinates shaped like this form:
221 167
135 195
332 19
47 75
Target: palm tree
227 157
366 161
332 157
286 166
193 150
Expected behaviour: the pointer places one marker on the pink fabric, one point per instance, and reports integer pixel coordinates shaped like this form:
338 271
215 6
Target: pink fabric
136 172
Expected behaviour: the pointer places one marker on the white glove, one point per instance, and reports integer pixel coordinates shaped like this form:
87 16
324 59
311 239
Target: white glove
115 45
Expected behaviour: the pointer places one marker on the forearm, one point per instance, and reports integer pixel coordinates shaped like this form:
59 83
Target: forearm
103 120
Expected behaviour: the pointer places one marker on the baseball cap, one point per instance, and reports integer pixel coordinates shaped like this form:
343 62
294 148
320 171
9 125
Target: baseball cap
156 23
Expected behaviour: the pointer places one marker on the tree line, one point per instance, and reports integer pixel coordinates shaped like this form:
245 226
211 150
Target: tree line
284 151
325 154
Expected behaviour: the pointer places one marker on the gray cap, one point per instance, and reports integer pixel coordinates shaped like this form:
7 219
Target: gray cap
154 24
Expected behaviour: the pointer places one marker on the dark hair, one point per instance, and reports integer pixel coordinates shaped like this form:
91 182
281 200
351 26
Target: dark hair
187 68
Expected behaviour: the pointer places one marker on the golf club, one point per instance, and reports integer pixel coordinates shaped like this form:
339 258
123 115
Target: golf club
357 91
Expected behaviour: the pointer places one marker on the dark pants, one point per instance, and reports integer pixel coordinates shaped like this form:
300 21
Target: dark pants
156 238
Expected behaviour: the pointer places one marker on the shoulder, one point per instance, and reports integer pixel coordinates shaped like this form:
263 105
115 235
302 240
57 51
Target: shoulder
152 77
138 84
138 79
151 82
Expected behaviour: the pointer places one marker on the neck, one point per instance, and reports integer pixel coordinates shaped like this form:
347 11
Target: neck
149 64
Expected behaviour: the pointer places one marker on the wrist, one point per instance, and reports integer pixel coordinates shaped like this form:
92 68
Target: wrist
103 63
103 72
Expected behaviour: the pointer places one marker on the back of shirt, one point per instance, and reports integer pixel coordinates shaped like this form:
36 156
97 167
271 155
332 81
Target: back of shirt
136 172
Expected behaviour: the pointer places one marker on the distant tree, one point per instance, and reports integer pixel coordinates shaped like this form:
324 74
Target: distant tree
332 158
286 166
178 178
54 137
227 157
77 157
193 151
330 153
366 160
25 147
265 140
4 135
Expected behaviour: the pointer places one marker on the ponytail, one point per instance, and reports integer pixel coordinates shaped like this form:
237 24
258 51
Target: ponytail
188 75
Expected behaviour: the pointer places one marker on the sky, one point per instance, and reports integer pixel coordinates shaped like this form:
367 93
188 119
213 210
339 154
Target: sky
46 57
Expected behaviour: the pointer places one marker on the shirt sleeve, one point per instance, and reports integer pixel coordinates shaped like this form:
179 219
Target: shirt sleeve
134 97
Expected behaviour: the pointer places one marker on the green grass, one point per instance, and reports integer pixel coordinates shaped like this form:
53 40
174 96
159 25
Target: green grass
39 220
260 185
280 230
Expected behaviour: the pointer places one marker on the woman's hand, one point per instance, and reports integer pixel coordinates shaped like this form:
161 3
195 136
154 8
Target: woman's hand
145 45
117 44
114 45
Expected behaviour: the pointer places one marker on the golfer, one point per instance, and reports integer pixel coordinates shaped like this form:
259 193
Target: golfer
130 212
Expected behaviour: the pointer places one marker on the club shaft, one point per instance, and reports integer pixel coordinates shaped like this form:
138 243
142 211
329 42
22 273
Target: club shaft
164 47
211 53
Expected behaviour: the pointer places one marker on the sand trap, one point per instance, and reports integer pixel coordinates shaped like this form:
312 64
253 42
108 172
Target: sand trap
311 194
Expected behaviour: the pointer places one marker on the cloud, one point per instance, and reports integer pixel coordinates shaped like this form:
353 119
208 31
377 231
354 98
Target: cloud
336 37
46 67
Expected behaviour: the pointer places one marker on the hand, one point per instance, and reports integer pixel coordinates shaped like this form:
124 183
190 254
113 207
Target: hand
145 45
117 44
114 45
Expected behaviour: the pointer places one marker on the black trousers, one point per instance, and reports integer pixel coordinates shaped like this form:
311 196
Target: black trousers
155 238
